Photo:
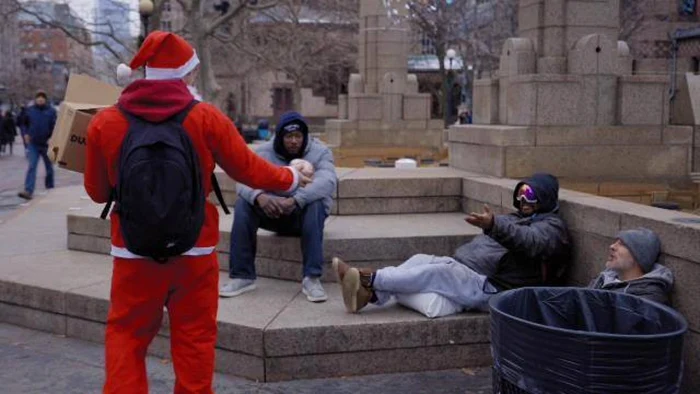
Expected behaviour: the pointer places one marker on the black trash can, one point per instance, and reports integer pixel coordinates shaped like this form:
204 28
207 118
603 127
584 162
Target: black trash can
575 340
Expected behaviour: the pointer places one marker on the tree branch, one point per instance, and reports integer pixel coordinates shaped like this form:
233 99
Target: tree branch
235 12
70 34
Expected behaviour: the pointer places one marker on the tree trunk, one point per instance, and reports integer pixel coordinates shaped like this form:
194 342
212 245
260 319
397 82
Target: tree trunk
208 87
443 76
296 92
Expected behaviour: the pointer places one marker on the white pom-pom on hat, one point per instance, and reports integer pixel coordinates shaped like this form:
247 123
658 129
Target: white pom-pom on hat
123 71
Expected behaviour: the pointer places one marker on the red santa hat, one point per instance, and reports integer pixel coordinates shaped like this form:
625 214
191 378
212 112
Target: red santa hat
165 56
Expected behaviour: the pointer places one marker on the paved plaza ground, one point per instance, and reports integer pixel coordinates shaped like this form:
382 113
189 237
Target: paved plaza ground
13 169
36 362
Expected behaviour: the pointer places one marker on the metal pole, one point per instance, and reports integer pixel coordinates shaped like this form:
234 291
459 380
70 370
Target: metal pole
448 102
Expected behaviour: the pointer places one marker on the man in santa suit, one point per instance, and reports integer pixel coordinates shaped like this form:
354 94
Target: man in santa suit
188 283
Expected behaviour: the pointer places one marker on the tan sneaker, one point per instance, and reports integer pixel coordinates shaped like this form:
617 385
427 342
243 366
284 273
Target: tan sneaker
355 296
340 268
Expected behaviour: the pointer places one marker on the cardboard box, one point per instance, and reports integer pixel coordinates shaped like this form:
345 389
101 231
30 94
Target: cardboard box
84 97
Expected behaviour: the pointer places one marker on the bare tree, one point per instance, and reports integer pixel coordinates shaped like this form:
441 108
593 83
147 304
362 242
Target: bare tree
303 39
634 17
486 26
203 22
82 31
441 21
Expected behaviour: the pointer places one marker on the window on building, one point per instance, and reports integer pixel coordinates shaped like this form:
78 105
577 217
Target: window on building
166 5
687 7
166 25
427 45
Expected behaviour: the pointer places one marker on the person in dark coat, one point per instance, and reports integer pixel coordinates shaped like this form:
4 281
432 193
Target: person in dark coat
2 133
530 247
42 119
8 130
23 124
633 267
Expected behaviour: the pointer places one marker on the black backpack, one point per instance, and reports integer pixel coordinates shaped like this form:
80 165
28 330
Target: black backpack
159 193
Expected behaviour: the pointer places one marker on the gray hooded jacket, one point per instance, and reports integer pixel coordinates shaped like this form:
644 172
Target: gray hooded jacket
324 180
654 285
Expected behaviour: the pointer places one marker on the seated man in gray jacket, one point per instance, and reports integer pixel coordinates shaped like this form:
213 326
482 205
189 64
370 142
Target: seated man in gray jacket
301 214
526 248
632 267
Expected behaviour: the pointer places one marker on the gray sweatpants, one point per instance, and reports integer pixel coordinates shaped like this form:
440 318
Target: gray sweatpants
434 274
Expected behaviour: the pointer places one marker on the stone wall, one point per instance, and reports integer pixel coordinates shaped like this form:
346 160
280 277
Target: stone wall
594 222
259 98
648 153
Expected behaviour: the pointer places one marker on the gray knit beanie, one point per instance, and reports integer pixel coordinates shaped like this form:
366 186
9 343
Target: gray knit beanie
644 245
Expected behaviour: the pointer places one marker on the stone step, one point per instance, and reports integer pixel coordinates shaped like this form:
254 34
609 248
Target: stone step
270 334
367 240
372 191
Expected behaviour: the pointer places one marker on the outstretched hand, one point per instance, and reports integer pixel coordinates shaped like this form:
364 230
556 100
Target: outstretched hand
482 220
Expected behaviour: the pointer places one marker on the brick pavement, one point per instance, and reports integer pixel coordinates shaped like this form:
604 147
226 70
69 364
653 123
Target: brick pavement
13 169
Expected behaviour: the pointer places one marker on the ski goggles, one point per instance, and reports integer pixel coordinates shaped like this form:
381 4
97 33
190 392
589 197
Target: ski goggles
526 194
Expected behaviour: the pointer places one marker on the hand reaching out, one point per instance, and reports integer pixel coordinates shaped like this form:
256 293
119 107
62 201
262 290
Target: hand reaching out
305 171
482 220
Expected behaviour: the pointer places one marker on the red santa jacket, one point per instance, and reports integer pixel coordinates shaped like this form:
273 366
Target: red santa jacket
214 137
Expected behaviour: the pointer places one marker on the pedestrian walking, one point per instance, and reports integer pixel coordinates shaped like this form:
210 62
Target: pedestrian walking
23 124
42 119
8 129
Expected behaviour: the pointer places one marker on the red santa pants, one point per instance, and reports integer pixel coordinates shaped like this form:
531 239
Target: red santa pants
188 287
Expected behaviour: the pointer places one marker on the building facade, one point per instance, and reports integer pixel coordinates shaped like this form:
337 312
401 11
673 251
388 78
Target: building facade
47 54
9 53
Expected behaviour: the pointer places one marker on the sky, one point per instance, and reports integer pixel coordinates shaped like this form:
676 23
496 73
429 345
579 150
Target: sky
85 9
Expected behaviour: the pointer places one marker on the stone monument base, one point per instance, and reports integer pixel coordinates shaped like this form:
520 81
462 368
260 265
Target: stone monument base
374 133
604 153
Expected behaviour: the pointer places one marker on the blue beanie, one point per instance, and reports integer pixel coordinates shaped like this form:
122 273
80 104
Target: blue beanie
643 244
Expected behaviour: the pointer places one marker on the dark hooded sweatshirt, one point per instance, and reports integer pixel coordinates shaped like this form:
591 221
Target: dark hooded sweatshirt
655 285
522 250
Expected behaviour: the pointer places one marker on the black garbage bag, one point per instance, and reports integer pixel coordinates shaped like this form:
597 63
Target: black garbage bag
574 340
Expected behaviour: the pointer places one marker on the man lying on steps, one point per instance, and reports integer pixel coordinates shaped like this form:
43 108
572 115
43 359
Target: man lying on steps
526 248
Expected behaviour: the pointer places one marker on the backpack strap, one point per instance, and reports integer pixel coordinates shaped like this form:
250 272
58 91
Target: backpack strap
180 118
182 115
219 196
108 206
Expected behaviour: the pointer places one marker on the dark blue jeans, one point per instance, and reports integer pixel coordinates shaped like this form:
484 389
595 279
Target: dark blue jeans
306 223
33 155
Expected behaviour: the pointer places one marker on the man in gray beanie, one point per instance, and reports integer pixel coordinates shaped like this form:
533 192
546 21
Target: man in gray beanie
632 267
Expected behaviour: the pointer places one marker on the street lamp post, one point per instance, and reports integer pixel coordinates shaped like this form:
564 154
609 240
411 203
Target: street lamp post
447 88
145 10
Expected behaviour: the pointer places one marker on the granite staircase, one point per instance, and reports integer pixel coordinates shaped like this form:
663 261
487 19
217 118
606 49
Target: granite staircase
381 217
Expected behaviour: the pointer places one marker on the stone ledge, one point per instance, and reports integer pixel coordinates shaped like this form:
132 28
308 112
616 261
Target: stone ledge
396 205
355 238
368 191
492 135
271 326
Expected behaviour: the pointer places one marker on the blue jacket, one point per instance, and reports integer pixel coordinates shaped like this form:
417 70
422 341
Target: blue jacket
523 250
41 123
320 156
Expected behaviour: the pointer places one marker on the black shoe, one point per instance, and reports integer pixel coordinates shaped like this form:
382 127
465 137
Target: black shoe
25 195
